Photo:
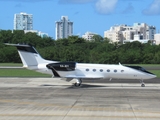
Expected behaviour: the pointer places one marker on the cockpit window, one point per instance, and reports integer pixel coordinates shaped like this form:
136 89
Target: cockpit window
140 69
137 67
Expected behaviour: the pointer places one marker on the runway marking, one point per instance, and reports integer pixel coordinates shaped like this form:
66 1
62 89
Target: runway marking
82 108
86 116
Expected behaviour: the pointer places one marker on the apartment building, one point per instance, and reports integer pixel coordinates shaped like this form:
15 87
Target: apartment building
89 35
39 33
157 38
115 33
64 28
23 21
119 33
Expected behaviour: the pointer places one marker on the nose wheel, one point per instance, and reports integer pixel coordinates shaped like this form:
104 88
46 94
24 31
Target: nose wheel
142 83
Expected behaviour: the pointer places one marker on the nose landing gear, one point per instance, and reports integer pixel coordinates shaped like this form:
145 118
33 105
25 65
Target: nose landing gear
142 83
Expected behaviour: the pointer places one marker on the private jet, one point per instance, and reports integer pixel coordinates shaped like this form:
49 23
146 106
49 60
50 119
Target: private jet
68 71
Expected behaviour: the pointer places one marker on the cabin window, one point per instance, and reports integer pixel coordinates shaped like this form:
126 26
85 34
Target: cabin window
94 70
122 70
115 70
108 70
101 70
87 69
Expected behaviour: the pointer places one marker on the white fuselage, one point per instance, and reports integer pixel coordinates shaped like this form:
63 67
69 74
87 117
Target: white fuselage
101 71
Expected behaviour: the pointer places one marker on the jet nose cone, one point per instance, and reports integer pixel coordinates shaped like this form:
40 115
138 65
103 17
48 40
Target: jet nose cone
153 76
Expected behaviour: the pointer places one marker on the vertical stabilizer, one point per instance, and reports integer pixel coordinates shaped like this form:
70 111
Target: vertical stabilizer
29 55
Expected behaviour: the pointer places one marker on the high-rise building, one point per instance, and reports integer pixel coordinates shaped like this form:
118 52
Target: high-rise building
64 28
23 21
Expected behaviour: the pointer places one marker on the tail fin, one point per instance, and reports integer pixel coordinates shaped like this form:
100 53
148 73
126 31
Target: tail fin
29 55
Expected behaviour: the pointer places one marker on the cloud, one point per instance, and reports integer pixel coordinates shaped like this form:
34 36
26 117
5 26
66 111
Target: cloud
24 0
18 5
129 9
102 6
74 1
76 13
153 9
105 6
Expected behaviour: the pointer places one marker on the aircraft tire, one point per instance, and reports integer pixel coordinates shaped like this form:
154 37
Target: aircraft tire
142 85
77 84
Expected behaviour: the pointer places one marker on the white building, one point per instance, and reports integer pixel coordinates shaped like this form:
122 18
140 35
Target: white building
64 28
157 38
89 35
138 38
39 33
115 33
23 21
119 33
151 31
146 31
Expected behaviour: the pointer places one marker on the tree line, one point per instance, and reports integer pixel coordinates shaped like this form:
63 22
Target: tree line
74 48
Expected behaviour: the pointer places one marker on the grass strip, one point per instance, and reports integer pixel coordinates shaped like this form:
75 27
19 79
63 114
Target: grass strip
156 72
11 64
21 73
144 65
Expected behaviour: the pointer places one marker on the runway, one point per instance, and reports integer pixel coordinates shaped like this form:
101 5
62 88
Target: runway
54 99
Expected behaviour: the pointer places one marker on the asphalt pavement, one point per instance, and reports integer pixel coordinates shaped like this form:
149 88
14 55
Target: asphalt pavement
54 99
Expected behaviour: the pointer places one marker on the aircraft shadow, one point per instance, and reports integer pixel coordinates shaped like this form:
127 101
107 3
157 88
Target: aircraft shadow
47 85
90 86
73 86
86 86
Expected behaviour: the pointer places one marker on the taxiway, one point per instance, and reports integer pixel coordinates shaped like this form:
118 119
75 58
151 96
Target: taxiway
53 99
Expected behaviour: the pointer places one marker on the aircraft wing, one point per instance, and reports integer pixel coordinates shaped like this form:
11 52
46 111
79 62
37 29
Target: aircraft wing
70 77
83 77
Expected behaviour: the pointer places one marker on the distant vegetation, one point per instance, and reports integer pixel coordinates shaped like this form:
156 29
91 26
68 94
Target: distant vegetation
99 50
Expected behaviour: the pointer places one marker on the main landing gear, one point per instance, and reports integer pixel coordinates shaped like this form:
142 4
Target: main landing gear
78 83
142 83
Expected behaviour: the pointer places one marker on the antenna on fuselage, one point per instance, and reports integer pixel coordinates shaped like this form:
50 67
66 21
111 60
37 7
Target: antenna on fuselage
119 63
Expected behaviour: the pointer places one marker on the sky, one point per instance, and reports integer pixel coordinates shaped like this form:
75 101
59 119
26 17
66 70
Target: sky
88 15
